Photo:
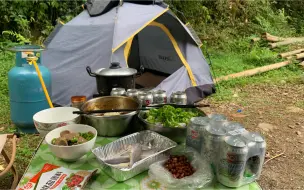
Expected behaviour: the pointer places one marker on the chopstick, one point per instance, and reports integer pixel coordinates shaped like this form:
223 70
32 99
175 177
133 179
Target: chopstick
179 106
143 108
105 111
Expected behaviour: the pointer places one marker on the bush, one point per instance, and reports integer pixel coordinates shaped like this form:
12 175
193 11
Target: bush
34 20
222 21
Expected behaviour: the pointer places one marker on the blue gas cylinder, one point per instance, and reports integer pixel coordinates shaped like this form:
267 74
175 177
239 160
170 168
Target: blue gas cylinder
25 90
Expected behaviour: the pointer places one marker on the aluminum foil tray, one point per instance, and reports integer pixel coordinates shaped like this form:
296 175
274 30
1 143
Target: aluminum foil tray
158 141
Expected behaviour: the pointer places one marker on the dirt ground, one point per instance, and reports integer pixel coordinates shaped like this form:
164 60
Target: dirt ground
276 111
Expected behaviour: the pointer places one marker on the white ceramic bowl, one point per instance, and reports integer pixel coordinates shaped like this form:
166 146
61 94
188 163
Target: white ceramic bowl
52 118
71 153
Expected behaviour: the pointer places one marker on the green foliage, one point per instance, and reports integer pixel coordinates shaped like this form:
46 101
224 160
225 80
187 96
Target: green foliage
222 21
35 19
18 37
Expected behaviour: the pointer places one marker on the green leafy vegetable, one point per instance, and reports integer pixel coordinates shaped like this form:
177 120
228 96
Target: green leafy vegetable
170 116
53 140
87 136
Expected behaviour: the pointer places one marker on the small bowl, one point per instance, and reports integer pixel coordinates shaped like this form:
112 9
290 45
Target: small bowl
71 153
52 118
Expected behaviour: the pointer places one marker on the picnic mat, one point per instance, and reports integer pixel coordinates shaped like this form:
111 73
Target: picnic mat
101 180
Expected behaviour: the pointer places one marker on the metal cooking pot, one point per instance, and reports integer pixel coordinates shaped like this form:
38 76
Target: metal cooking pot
113 77
110 126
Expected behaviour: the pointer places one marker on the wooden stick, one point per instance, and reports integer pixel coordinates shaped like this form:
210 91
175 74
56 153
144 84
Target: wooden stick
300 56
287 54
286 42
272 38
289 57
274 157
253 71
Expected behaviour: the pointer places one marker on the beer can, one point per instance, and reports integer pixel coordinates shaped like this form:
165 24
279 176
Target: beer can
118 92
234 128
159 97
232 161
218 117
195 131
213 136
133 93
146 98
179 98
257 151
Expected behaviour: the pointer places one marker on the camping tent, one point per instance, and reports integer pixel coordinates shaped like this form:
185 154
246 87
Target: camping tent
135 35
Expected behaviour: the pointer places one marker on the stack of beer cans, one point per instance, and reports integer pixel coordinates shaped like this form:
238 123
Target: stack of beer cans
235 154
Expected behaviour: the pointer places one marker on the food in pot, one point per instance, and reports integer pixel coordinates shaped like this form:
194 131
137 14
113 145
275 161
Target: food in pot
68 138
169 116
179 166
129 155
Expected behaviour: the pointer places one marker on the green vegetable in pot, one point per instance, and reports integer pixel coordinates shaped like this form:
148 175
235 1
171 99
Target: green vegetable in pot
170 116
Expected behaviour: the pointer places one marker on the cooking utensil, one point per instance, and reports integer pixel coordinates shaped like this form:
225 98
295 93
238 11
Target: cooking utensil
143 108
114 125
177 134
113 77
160 142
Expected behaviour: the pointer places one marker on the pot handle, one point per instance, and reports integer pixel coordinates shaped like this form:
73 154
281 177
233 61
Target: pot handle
141 71
90 72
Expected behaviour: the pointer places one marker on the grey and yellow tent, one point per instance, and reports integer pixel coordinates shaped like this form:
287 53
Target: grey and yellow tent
135 35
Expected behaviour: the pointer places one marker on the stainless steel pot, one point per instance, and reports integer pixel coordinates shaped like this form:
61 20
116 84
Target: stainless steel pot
113 77
110 126
177 134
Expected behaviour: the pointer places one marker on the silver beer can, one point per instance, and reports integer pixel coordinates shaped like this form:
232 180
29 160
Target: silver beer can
257 150
218 117
195 131
179 98
159 97
234 128
133 93
146 98
232 161
118 92
213 136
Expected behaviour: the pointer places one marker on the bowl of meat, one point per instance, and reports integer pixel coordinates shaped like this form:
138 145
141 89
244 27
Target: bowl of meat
71 142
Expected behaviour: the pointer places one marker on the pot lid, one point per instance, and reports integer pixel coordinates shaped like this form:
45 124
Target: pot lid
116 70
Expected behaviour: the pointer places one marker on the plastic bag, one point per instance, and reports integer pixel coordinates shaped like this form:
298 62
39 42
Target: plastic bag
202 176
56 177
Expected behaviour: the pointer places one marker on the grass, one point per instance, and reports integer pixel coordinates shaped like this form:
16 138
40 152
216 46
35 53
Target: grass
300 104
27 143
240 56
